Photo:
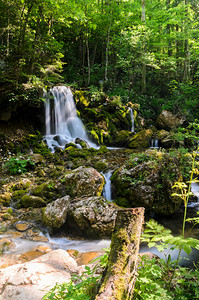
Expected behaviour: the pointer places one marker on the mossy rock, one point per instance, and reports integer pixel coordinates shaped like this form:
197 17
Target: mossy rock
141 139
5 198
17 195
147 179
46 189
32 201
121 138
22 184
84 182
100 165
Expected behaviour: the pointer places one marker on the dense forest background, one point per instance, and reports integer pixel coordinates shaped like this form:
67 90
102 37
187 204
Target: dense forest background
141 51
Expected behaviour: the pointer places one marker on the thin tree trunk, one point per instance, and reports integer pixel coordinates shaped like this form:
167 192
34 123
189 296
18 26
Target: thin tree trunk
88 61
119 278
8 39
107 49
169 31
143 82
143 17
186 48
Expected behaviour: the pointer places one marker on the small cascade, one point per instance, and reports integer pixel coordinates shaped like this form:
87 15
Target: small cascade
195 191
132 120
154 143
107 187
62 123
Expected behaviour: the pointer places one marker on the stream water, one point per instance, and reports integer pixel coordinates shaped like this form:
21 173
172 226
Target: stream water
107 191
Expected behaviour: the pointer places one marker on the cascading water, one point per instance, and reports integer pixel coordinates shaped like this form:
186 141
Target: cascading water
132 120
107 186
154 143
62 123
195 191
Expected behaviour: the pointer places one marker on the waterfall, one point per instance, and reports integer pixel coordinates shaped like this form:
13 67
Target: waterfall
195 191
62 123
154 143
107 186
132 120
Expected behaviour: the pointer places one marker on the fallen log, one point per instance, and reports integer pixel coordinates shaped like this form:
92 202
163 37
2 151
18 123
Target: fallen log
119 277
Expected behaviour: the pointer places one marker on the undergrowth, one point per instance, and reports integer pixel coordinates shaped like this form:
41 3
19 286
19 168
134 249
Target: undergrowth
158 279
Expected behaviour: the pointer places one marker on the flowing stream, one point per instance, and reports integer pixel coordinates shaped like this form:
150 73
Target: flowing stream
154 143
107 193
132 120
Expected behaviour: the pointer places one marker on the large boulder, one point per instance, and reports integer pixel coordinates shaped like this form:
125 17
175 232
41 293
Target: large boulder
141 139
147 181
84 182
92 217
54 214
32 280
167 120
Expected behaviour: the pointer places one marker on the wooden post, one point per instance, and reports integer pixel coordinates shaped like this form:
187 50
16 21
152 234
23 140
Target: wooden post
119 277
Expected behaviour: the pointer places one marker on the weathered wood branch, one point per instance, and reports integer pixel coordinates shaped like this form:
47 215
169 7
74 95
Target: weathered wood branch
119 277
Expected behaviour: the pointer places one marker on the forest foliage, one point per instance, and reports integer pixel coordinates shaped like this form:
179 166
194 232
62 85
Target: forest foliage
142 51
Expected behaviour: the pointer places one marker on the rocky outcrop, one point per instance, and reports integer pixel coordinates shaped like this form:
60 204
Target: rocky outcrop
167 120
147 181
32 280
84 182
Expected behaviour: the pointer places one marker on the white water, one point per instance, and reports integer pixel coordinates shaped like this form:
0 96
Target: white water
195 191
62 123
107 186
23 245
154 143
132 120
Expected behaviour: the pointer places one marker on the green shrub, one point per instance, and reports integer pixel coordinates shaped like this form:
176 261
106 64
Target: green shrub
18 165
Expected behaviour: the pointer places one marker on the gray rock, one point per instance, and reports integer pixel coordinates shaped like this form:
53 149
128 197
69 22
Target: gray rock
32 280
84 182
167 120
54 214
93 217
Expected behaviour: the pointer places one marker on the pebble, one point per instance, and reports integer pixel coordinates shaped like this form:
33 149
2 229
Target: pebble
22 226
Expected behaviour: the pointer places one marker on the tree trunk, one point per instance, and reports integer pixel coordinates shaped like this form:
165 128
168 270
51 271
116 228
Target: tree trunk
186 47
107 49
88 61
168 4
119 277
143 82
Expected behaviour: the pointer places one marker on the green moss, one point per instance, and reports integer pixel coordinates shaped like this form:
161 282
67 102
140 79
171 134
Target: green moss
17 195
103 149
81 98
141 139
94 135
32 201
100 166
123 202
